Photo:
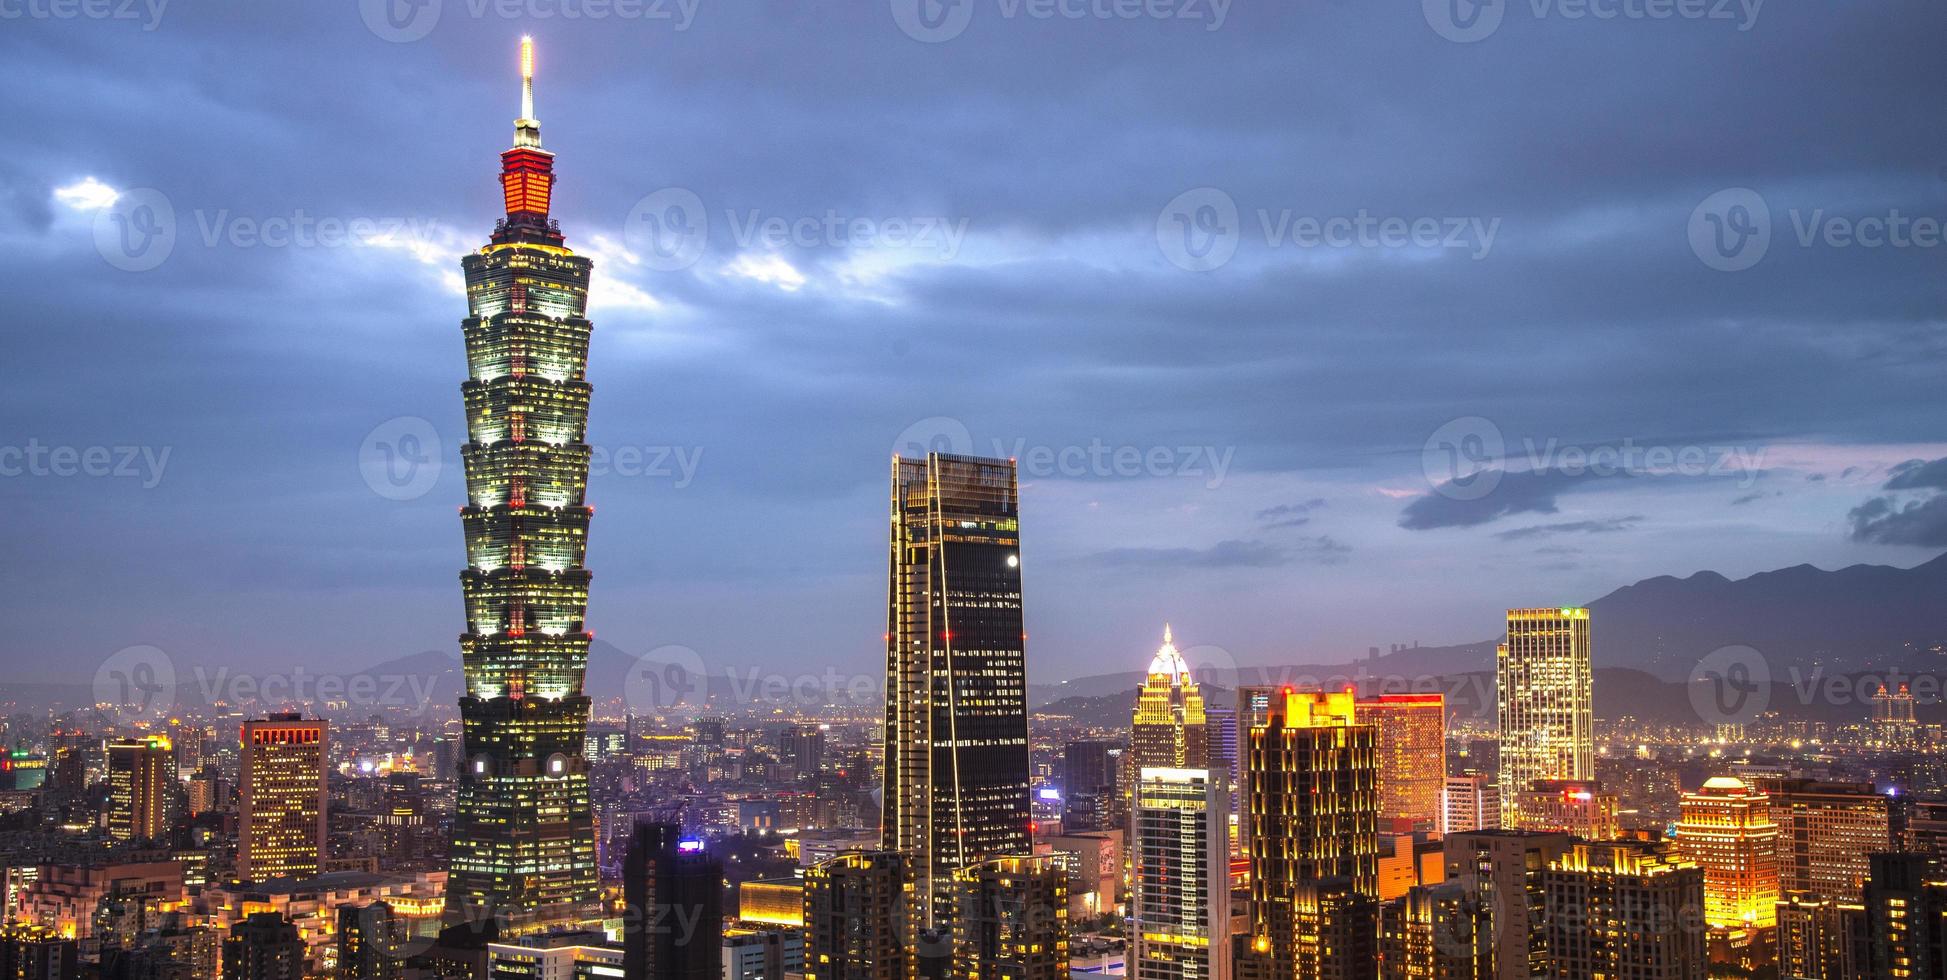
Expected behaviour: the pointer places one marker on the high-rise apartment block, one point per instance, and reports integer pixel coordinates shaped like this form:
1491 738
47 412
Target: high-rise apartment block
1180 892
1545 705
281 798
1410 740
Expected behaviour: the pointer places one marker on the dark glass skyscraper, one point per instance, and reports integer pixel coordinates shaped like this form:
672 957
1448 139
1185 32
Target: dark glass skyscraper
523 831
956 680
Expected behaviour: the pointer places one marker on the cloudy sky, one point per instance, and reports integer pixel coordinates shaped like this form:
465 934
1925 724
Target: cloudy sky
1314 326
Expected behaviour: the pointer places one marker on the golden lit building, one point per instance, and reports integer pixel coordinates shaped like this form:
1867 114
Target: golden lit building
1410 740
778 902
1567 806
855 912
1545 704
281 798
1622 909
1011 919
1728 831
141 773
1312 814
1169 726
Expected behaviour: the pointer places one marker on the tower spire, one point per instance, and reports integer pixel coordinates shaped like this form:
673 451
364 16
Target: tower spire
527 129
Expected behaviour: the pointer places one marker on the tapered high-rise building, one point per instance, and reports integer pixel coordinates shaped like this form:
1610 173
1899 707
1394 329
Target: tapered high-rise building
956 743
1547 717
1168 731
523 832
281 798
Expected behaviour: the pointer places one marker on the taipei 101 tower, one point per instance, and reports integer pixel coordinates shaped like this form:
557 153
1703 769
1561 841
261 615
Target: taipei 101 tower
523 848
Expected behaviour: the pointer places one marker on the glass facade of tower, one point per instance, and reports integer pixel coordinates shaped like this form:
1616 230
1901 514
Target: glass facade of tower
1545 705
956 681
523 831
281 787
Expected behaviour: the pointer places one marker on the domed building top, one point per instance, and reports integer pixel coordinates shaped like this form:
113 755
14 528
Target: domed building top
1168 663
1729 784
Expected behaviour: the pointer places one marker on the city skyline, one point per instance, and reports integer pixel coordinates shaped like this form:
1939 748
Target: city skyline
1360 378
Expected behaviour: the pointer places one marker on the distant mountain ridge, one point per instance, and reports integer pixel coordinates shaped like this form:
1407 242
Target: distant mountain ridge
1803 619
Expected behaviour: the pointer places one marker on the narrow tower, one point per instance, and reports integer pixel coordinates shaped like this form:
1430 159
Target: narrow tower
956 789
523 831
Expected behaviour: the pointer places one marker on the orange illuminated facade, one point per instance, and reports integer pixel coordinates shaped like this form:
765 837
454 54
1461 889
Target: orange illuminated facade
281 791
1727 830
1169 728
1410 741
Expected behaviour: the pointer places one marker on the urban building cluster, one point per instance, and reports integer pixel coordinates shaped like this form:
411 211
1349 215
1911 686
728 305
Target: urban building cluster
1248 832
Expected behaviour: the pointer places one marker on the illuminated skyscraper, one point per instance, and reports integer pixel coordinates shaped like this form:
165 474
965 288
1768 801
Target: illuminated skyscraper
956 741
523 831
1568 806
1624 909
1410 739
1503 871
1826 833
1436 932
281 794
1010 919
1546 712
1169 726
1728 831
141 778
1313 814
665 871
1180 894
855 918
1471 801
